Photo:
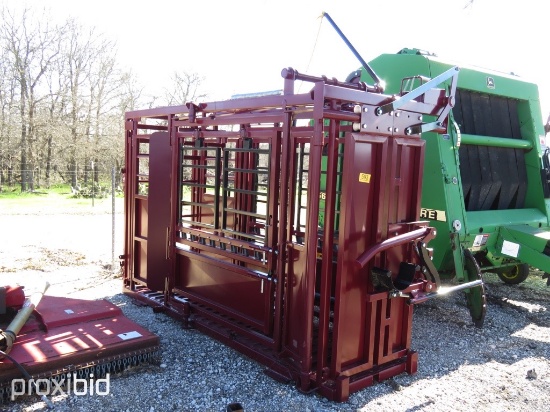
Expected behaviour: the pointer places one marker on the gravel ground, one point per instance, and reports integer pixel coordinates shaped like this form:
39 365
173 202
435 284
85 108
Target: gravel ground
502 367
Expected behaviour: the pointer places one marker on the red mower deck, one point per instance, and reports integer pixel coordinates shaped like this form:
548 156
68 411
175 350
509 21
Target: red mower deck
67 336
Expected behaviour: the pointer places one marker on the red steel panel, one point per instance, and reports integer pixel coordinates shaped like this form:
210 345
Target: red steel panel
363 178
294 339
223 287
376 168
158 216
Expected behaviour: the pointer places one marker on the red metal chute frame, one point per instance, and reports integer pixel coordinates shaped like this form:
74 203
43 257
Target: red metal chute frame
223 227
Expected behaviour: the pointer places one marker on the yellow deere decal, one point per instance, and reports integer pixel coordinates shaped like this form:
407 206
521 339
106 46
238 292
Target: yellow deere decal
433 214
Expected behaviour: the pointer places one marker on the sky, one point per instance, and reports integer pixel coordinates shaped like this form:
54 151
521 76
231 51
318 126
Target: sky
241 46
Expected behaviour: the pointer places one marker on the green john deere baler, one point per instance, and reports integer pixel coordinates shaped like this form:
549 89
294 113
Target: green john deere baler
485 185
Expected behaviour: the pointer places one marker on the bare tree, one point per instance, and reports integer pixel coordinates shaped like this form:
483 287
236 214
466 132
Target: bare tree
8 92
108 92
96 88
185 88
131 93
63 97
56 111
32 47
78 56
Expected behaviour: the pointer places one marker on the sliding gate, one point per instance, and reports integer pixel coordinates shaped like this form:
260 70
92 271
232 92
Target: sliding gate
227 226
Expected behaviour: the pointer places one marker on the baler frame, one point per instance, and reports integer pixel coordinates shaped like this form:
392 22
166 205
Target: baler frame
486 187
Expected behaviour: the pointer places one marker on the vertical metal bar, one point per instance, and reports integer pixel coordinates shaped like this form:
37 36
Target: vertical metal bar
245 206
255 178
194 189
202 180
328 236
269 221
312 221
217 189
177 147
271 229
238 184
284 233
301 149
226 193
175 207
113 226
129 203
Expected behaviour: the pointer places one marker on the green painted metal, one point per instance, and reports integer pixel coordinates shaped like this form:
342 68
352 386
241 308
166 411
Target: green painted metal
495 141
483 232
524 243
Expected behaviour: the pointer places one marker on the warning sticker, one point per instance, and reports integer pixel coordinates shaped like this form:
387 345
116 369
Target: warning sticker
510 249
479 241
129 335
364 177
433 214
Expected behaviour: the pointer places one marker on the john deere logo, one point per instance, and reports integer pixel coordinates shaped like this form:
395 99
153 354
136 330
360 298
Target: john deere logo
490 83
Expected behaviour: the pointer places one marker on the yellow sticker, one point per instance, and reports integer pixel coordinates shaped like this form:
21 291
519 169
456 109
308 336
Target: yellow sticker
364 177
433 214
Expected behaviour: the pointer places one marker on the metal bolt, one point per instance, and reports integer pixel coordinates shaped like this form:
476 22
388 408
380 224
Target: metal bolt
364 125
365 109
455 181
420 118
396 130
457 225
397 114
389 129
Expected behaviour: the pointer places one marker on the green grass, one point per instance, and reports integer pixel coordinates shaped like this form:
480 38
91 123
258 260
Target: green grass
14 192
56 197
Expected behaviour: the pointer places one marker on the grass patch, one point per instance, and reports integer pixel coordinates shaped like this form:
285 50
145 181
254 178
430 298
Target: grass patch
58 197
16 193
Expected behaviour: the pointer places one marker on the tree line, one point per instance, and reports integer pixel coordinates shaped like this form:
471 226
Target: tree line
63 95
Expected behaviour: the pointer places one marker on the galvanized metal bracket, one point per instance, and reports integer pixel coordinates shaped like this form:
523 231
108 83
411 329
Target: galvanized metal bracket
452 73
392 108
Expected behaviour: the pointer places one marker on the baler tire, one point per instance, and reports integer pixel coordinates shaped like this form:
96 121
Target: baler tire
513 275
475 297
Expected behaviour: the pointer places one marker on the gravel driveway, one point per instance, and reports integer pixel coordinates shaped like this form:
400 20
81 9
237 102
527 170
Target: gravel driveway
502 367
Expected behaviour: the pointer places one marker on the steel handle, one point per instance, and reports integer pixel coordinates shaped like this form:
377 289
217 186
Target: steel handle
444 291
398 240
